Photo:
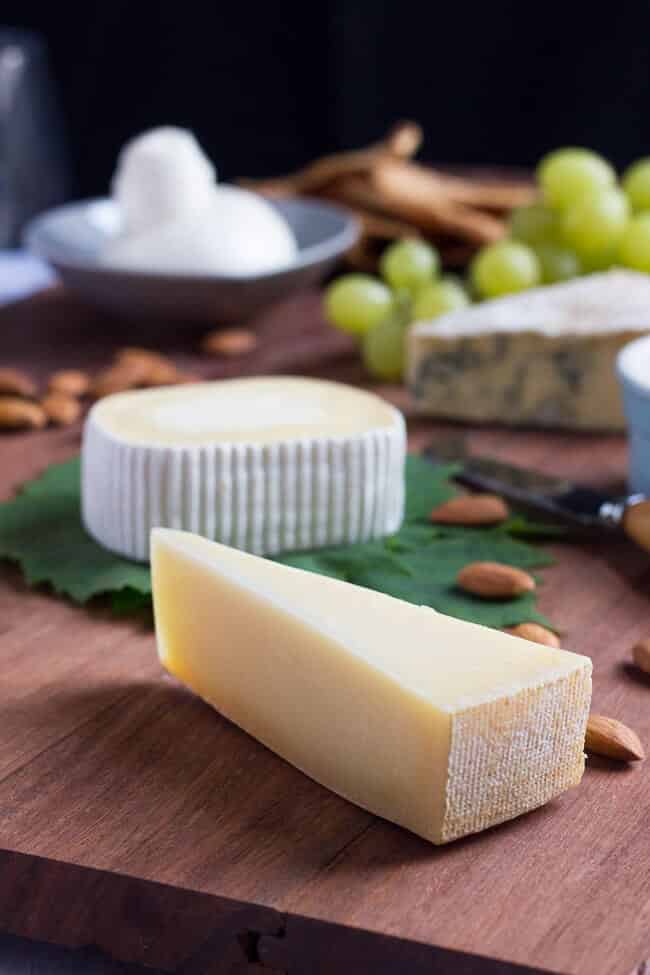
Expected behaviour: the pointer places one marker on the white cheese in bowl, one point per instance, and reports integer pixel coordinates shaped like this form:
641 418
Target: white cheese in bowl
161 176
236 233
175 217
265 464
543 357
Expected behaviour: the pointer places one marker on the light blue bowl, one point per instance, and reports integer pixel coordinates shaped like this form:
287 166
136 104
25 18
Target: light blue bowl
71 237
633 367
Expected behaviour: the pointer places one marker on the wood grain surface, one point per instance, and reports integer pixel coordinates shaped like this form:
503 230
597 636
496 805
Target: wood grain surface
106 762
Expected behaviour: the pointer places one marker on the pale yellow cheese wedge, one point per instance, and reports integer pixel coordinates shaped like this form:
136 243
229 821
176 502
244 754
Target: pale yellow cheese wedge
442 726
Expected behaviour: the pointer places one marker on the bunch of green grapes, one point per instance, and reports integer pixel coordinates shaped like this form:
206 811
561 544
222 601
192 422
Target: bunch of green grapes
586 221
378 310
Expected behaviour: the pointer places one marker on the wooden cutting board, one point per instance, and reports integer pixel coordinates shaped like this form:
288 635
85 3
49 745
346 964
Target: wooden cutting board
106 763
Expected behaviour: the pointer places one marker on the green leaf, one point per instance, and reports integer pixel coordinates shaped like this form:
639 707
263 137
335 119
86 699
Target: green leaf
518 525
426 486
41 529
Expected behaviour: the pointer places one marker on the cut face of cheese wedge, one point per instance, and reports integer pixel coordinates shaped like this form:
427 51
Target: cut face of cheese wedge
442 726
544 357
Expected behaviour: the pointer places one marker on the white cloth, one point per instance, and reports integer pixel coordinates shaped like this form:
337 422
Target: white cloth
22 274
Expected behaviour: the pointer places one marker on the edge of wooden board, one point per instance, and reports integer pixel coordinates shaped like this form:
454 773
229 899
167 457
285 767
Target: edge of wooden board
143 923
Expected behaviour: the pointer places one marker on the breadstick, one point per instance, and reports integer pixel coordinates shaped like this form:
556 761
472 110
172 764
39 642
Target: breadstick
404 139
495 194
358 192
408 192
376 224
401 142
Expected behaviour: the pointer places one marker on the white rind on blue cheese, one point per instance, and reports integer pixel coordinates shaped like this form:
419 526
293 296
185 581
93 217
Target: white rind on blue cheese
543 357
266 465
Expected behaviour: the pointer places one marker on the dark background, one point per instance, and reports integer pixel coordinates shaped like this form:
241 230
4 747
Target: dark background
267 86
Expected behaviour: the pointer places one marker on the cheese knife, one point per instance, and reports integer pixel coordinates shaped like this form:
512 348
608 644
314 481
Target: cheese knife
585 508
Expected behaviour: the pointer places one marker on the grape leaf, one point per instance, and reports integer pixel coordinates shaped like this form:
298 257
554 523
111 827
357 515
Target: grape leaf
41 530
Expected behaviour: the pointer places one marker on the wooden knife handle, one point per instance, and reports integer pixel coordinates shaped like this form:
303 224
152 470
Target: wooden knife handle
636 523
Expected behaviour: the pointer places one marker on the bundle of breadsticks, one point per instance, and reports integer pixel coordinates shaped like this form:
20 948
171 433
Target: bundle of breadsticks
394 196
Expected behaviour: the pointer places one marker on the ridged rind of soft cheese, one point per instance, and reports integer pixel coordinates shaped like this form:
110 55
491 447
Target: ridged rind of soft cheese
544 357
262 498
442 726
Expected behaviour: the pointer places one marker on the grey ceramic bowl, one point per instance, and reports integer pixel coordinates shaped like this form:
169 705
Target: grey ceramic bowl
70 237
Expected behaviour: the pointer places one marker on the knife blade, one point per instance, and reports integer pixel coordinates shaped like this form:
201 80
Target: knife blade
586 508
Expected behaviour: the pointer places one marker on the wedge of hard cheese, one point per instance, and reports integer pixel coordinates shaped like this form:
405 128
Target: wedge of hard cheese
544 357
442 726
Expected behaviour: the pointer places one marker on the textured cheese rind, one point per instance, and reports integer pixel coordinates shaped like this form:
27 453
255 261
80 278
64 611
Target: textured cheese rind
499 758
441 726
261 497
544 357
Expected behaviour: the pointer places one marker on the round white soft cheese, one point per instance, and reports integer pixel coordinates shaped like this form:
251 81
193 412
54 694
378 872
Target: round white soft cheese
162 175
235 233
267 465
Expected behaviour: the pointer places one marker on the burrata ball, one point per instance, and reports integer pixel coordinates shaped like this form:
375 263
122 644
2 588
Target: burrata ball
161 175
236 233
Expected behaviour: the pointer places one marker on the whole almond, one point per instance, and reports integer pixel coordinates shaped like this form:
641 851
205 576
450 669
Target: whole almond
156 369
70 382
641 655
14 382
61 409
16 414
229 342
536 633
471 509
613 739
118 378
493 580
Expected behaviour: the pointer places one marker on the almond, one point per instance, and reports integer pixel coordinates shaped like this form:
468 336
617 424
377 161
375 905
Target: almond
156 369
493 580
14 382
161 374
229 342
641 655
118 378
70 382
16 413
609 737
61 409
138 353
471 509
534 632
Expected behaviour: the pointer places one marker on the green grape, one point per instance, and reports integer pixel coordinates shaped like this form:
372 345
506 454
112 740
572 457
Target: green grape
601 261
504 267
382 349
567 174
439 297
534 224
409 264
636 183
594 224
557 263
356 302
635 244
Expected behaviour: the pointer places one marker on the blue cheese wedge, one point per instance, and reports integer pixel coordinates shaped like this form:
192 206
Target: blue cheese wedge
268 465
543 357
442 726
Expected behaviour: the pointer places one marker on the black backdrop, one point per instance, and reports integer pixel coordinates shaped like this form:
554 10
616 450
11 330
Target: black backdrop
268 85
